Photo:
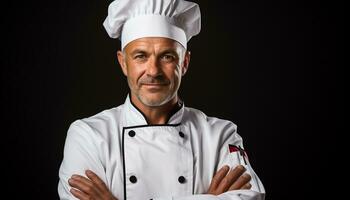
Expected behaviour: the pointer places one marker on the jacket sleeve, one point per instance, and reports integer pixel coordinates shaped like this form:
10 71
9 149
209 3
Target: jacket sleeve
229 136
231 195
80 154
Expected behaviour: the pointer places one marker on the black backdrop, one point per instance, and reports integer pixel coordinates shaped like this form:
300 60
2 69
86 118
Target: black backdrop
273 68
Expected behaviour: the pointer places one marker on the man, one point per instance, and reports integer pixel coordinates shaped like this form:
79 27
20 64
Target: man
152 146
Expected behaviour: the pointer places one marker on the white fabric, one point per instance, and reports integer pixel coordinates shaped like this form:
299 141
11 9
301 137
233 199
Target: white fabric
133 19
152 26
157 155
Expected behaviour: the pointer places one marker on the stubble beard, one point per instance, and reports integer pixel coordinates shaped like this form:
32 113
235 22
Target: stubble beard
152 102
155 102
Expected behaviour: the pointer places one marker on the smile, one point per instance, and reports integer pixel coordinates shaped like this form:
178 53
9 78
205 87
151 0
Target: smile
154 87
154 84
151 84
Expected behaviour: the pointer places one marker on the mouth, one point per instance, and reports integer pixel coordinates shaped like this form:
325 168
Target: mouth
153 87
154 84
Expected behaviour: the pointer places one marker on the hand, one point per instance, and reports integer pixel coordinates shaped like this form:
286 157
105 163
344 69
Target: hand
91 188
234 180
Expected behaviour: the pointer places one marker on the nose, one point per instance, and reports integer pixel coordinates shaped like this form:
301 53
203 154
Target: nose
153 67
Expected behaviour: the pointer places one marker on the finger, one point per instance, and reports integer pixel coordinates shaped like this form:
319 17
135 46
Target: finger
218 177
83 184
246 186
231 177
78 194
94 178
241 181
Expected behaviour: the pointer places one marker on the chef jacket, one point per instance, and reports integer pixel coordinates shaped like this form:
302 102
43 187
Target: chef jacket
138 161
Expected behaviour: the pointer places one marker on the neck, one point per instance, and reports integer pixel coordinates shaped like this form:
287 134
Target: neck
156 114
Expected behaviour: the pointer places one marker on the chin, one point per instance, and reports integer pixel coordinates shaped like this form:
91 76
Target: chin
154 100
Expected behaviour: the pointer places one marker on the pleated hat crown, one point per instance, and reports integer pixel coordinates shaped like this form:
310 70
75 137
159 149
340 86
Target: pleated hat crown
129 20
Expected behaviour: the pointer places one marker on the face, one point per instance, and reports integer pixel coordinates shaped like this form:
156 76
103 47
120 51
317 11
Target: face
154 67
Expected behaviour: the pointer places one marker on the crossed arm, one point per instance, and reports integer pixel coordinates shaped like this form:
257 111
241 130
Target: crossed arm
94 188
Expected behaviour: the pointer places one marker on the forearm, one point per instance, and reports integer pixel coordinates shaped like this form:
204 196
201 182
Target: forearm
230 195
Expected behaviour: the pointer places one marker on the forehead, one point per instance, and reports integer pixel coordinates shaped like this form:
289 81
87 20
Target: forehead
153 43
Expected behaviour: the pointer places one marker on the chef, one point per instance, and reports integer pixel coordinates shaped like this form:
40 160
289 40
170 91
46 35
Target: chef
153 146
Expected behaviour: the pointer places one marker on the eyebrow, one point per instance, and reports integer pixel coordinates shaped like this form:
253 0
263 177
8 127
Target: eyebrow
166 51
170 51
136 51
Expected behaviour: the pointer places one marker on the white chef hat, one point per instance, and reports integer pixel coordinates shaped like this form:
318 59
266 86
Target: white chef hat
133 19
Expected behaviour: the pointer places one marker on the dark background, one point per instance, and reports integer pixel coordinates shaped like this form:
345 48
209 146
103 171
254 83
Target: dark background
276 69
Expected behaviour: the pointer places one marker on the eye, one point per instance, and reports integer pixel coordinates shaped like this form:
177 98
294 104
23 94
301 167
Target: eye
168 57
140 57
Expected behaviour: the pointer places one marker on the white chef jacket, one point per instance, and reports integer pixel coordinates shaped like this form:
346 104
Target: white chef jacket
137 161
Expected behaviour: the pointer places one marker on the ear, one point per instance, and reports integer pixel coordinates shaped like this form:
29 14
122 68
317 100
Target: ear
121 60
186 62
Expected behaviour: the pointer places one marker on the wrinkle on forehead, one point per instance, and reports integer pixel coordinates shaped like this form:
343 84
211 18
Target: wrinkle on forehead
153 44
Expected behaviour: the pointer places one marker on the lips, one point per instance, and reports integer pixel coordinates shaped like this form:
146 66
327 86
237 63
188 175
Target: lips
154 87
158 81
154 84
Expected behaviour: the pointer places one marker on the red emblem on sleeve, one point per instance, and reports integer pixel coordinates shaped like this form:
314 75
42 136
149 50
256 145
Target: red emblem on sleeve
242 152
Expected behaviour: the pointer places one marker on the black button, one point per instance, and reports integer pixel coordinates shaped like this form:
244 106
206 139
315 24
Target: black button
182 179
181 134
133 179
132 133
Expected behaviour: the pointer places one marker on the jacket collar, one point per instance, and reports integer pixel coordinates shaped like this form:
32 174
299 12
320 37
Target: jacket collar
134 117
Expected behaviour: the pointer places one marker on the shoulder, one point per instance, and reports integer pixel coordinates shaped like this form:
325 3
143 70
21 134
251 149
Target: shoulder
213 129
199 117
98 125
107 117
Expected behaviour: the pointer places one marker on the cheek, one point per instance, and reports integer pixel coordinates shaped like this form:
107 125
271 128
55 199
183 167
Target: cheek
178 72
134 73
175 75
